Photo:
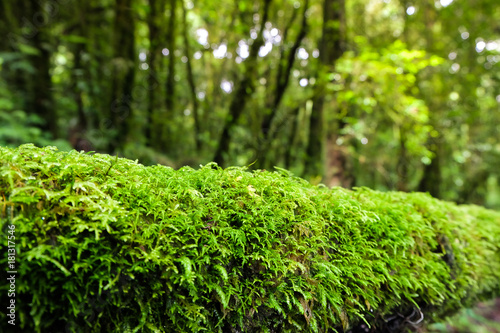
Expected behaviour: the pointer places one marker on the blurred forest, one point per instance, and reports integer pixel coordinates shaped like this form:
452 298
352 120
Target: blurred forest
389 94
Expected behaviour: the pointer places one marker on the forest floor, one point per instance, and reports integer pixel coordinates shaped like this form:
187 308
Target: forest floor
484 318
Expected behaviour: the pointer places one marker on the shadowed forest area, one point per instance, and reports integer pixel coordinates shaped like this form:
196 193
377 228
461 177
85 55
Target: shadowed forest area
393 95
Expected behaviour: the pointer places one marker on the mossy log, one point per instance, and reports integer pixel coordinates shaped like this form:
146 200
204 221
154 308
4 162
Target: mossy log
105 244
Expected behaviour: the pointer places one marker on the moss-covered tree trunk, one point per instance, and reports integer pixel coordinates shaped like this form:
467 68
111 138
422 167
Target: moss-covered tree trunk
109 245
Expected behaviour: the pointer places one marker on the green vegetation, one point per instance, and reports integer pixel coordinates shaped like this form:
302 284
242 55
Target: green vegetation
107 244
393 95
484 318
388 94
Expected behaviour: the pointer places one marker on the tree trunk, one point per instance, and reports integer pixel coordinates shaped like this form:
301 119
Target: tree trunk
192 84
245 89
156 8
292 139
331 49
282 79
474 189
123 74
402 165
166 137
43 103
78 134
431 178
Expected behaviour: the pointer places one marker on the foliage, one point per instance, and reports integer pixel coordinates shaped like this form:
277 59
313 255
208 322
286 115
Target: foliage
19 127
377 98
106 244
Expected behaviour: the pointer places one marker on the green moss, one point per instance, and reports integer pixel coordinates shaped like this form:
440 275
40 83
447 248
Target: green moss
106 244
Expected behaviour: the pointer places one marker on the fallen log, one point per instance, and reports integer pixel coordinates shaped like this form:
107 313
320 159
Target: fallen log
105 244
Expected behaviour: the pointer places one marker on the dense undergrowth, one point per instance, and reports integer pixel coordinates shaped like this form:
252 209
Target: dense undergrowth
105 244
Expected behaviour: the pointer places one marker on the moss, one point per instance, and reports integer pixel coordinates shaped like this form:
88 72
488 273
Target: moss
107 244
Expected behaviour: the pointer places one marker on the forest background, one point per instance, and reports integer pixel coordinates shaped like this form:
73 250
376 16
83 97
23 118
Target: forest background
390 94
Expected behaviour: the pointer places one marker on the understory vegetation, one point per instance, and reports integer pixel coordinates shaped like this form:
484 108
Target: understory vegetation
105 244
